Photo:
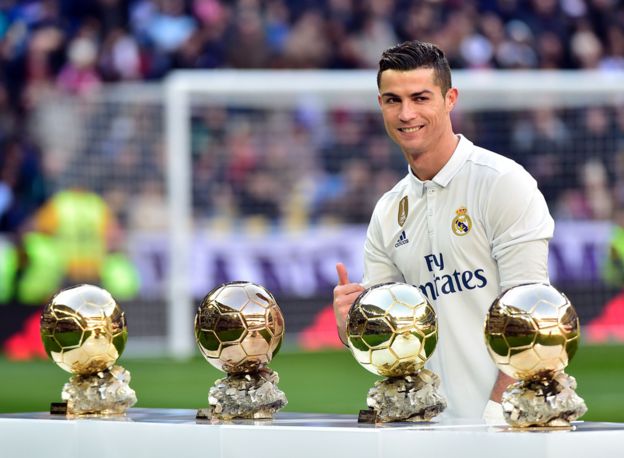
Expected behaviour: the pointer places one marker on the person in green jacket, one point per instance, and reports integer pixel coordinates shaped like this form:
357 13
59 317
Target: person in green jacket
73 238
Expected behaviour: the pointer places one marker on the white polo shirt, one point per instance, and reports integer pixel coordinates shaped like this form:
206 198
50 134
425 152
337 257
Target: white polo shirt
478 227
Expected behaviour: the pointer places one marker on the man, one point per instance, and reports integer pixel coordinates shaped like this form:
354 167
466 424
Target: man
463 225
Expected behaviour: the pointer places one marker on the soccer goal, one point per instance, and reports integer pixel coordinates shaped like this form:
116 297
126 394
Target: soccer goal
565 127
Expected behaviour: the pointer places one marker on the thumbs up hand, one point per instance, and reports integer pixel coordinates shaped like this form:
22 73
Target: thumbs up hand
345 294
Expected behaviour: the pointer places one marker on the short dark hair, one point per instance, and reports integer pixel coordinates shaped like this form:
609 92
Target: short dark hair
411 55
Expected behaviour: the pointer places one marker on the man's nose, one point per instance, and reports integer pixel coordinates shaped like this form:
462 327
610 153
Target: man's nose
407 112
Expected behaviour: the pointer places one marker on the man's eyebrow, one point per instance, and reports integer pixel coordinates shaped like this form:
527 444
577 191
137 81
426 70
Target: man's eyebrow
414 94
423 92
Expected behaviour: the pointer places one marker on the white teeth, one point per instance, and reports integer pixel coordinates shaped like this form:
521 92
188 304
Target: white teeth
409 130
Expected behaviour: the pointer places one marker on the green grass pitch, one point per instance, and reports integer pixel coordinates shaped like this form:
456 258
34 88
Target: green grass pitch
329 382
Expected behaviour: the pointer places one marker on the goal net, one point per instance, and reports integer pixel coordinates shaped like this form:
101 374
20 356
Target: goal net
271 176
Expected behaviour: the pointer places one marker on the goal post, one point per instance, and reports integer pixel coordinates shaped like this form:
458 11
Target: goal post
480 91
179 298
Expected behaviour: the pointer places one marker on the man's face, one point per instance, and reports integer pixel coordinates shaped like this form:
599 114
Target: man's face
415 112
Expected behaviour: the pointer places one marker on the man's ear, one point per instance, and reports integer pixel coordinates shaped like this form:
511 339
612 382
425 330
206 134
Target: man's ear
451 99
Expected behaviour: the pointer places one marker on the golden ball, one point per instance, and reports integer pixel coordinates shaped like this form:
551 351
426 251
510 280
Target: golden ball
83 329
392 329
532 331
239 327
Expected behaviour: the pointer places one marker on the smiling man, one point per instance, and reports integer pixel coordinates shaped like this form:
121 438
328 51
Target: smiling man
463 225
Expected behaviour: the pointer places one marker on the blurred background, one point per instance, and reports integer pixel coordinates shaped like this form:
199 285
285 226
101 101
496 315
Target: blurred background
277 189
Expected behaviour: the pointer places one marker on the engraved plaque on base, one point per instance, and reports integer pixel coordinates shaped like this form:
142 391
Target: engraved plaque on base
239 329
532 332
367 416
84 332
58 408
392 331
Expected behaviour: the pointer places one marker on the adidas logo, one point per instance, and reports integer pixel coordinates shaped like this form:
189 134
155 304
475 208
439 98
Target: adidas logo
402 240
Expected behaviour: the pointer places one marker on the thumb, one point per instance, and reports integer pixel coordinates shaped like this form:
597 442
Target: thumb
343 276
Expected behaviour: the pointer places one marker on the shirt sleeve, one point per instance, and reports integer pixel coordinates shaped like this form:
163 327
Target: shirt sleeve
524 263
378 267
520 227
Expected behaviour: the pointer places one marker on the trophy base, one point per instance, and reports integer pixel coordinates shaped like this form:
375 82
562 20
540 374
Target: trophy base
204 414
105 393
516 429
544 403
251 396
411 398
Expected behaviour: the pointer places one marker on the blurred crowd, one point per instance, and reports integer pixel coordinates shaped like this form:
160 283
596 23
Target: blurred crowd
335 167
75 46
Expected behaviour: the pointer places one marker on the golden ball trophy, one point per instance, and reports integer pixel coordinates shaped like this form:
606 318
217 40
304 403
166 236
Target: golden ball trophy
239 328
392 330
84 332
532 332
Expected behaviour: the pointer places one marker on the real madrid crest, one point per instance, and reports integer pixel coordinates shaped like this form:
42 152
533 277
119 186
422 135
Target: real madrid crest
462 223
403 211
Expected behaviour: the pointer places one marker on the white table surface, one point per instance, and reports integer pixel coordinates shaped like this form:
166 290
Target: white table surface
174 433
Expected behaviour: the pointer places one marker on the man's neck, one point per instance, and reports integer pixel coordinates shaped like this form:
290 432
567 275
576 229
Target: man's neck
431 162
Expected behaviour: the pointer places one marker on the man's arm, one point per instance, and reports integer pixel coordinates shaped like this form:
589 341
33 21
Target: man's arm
378 268
520 226
502 382
493 411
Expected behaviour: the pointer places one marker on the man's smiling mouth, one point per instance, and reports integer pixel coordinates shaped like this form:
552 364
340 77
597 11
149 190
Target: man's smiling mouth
409 130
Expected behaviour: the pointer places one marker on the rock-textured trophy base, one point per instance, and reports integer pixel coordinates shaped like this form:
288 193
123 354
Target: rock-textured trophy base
547 402
245 396
105 393
412 398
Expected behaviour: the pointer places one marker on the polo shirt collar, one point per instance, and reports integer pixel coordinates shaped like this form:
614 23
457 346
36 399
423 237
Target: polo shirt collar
450 169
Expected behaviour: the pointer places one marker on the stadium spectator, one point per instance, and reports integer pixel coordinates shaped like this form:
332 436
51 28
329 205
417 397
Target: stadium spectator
72 239
540 144
120 57
246 42
23 186
79 75
352 203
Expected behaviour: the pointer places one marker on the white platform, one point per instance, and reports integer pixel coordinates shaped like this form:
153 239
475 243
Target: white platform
169 433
